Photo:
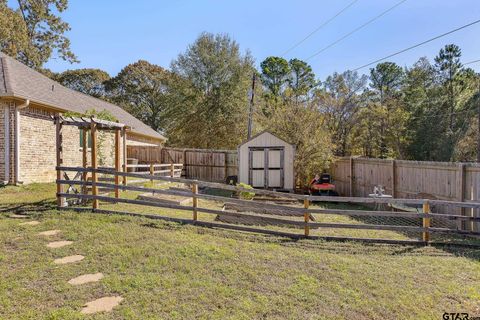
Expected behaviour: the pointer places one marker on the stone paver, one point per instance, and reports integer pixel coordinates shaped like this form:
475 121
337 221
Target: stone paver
59 244
86 278
69 259
49 233
18 216
30 223
105 304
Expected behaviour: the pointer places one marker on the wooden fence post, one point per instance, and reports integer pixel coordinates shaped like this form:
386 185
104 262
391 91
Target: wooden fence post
59 145
225 166
195 201
93 133
461 193
172 170
124 156
117 162
84 159
306 216
152 171
426 222
351 177
394 178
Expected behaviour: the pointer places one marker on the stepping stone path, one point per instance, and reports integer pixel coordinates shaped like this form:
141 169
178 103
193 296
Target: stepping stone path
30 223
49 233
86 278
59 244
105 304
102 304
69 259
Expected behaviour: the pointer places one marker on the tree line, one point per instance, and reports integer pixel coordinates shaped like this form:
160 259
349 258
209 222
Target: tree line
426 111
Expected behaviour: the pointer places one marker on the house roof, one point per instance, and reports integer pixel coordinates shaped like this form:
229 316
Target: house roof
19 81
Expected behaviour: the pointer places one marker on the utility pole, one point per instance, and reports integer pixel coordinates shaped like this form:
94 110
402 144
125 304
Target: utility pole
250 112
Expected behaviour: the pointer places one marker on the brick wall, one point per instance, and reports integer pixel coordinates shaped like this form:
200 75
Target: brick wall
3 107
37 145
38 149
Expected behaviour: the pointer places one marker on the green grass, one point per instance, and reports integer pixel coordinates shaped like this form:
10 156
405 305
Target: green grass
172 271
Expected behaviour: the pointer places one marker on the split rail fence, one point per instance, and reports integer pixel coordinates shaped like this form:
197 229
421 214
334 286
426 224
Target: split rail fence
268 213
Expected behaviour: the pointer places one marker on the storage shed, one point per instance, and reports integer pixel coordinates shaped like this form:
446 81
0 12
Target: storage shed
266 161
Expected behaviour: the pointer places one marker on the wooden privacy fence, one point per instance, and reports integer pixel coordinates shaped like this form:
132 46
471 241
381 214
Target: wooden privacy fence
356 177
200 164
270 213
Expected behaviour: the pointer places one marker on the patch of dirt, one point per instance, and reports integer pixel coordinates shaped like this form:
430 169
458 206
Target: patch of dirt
69 259
59 244
30 223
86 278
49 233
105 304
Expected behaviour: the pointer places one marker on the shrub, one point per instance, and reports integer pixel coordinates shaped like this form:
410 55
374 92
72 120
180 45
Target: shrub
245 194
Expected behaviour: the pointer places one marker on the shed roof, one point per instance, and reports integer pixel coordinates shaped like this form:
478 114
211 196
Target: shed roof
19 81
262 133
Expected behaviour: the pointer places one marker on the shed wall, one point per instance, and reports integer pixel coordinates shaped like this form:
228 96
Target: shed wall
267 140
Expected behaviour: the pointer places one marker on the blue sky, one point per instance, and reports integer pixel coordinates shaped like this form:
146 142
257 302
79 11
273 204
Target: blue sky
110 34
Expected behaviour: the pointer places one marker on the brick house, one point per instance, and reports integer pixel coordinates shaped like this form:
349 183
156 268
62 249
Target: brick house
28 100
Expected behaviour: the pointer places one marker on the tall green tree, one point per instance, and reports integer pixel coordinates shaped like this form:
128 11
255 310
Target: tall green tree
275 75
340 99
88 81
301 80
386 79
34 31
215 109
304 126
449 67
143 89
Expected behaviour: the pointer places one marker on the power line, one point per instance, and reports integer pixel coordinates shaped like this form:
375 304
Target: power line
355 30
420 44
320 27
470 62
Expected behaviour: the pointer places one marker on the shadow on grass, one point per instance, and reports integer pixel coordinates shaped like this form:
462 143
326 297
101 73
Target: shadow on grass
39 206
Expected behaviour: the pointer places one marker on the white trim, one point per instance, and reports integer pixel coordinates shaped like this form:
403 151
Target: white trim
6 124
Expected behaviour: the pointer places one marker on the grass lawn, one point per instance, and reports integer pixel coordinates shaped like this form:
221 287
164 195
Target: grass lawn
172 271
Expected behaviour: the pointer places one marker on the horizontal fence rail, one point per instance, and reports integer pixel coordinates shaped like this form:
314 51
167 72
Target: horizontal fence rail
270 213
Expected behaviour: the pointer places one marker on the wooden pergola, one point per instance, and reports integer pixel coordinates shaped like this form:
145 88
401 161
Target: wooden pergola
93 125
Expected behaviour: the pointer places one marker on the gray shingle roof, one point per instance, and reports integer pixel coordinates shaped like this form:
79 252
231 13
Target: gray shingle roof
19 81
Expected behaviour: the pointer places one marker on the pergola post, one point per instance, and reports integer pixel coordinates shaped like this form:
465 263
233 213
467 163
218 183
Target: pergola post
84 158
124 156
117 162
93 133
59 147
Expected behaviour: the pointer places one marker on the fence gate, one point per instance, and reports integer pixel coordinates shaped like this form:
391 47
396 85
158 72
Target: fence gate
266 167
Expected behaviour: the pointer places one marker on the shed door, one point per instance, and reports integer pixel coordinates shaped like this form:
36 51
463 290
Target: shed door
266 167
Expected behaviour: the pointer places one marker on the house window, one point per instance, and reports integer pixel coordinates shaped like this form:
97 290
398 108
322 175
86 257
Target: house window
89 139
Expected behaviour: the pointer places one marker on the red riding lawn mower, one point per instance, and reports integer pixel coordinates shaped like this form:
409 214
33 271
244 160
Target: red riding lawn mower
322 185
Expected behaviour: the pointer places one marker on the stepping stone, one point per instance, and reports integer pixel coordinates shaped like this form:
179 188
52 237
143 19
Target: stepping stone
59 244
49 233
30 223
86 278
69 259
18 216
103 304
